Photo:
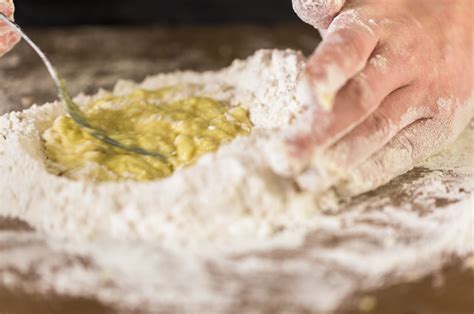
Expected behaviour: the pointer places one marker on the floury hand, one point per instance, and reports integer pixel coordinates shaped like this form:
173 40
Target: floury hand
392 82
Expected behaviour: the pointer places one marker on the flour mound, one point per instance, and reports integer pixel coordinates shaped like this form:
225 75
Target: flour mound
233 200
227 197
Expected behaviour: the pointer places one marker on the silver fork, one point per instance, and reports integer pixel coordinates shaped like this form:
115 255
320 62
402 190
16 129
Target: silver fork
72 108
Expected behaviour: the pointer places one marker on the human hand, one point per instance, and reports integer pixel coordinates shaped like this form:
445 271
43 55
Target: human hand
394 83
8 37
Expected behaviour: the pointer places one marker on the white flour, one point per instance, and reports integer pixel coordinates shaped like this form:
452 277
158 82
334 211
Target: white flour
380 63
231 197
247 236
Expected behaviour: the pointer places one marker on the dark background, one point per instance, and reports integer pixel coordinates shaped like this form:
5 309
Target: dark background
161 12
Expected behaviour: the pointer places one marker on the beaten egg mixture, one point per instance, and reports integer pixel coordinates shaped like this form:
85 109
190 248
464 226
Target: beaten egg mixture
182 129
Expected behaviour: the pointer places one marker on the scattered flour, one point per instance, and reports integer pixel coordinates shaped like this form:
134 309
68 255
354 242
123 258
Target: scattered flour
380 63
351 19
228 231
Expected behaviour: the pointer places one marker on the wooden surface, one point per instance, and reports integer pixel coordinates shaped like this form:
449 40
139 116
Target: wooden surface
96 57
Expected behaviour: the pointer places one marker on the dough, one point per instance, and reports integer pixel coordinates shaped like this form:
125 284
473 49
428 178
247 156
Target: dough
162 121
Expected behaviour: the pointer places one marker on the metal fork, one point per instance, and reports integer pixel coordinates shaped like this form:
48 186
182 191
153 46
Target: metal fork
72 108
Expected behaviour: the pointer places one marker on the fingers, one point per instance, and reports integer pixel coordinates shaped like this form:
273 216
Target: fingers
397 111
356 101
424 130
343 53
368 112
8 37
7 8
394 159
416 142
318 13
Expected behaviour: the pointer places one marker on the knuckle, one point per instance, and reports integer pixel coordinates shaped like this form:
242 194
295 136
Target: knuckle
360 94
382 124
354 44
352 47
405 144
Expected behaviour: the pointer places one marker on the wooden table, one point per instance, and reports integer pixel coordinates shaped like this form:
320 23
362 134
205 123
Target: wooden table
97 57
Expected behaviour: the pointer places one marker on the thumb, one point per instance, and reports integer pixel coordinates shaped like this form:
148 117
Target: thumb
7 8
8 38
318 13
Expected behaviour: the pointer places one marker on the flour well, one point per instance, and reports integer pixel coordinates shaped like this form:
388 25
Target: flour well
230 197
228 229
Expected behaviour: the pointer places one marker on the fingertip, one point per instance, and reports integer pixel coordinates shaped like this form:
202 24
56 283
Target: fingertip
317 13
7 8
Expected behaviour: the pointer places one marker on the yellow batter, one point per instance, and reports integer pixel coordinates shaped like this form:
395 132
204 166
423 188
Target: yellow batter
181 129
